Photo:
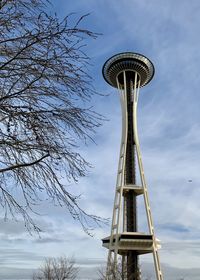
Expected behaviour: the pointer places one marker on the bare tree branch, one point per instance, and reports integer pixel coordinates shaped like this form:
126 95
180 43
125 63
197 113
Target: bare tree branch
45 116
20 165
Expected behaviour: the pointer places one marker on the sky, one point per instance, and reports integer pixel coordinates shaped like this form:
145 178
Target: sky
167 32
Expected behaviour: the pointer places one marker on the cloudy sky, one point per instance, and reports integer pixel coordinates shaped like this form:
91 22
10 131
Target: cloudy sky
168 32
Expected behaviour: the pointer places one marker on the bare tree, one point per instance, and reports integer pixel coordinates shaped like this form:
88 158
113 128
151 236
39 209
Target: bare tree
44 116
117 272
57 269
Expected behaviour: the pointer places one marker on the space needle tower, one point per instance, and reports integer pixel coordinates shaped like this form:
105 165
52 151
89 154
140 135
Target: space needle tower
128 72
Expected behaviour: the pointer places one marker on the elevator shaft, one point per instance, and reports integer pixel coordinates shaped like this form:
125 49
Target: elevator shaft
130 179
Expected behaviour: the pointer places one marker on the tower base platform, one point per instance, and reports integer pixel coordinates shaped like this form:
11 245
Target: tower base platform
141 243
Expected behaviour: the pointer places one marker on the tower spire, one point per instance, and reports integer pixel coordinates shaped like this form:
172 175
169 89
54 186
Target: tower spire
129 72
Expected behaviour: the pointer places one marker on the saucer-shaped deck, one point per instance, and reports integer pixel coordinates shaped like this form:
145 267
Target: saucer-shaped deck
129 62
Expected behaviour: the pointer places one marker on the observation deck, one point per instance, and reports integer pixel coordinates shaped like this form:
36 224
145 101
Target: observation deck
130 62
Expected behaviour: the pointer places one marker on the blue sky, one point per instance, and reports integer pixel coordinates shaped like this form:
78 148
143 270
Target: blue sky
169 128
